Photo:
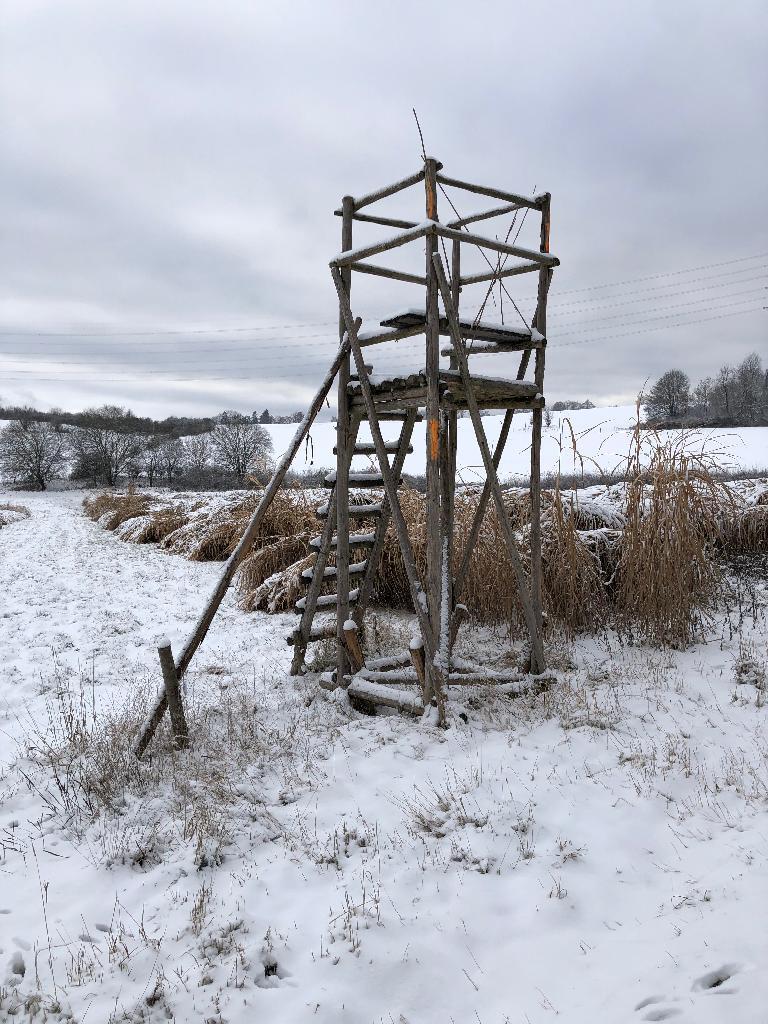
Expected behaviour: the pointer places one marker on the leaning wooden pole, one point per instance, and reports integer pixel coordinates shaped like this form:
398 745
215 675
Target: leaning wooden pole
244 546
537 649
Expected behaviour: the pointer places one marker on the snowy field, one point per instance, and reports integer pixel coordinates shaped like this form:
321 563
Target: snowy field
602 437
596 853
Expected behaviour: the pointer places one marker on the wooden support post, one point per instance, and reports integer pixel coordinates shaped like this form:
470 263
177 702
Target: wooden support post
343 458
540 323
537 650
173 695
352 642
416 651
434 425
169 697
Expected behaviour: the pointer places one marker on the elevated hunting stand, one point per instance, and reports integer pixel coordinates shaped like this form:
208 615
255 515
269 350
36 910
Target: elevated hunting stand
433 394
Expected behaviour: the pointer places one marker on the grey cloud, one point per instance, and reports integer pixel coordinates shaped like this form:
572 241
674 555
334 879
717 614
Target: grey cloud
178 165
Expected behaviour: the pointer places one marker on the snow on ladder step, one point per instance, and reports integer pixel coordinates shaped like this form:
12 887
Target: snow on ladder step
326 631
366 511
330 572
325 601
390 696
368 448
356 540
358 480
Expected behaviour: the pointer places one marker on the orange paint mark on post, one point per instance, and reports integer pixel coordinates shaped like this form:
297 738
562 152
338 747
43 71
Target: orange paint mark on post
434 440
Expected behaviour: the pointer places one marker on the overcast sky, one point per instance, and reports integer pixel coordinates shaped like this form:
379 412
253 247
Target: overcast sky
174 167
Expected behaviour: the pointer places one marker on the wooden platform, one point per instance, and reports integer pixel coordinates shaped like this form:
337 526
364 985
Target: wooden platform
490 392
514 339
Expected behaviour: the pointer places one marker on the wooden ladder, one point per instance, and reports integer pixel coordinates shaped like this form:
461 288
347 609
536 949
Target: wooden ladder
362 572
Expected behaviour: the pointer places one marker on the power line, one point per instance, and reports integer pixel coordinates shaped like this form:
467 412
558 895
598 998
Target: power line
321 323
298 375
331 343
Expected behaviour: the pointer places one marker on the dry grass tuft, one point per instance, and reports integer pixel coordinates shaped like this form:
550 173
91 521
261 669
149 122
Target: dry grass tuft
117 508
574 589
14 513
745 531
668 577
291 513
270 578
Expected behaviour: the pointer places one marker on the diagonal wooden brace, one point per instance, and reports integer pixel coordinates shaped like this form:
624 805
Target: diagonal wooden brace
537 648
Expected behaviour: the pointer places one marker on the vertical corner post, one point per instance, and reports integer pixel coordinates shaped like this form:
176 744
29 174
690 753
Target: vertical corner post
540 323
433 431
343 458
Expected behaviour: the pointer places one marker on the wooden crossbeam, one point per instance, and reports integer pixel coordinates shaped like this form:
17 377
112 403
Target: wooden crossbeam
532 202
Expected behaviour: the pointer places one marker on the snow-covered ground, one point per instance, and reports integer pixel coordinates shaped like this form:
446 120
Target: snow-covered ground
595 853
602 437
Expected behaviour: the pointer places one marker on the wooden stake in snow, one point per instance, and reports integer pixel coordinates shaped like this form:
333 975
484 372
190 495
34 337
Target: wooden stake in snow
169 698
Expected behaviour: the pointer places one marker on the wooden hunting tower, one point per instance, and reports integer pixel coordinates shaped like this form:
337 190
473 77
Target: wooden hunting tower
436 395
433 394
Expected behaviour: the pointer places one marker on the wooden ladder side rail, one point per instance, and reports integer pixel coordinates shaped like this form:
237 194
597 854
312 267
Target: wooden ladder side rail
343 460
246 541
316 584
374 555
537 648
390 485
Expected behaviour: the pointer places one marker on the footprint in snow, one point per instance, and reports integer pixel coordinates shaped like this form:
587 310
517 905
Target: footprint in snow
712 983
715 982
16 970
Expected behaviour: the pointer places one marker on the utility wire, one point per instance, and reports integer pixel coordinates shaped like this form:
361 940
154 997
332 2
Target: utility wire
308 375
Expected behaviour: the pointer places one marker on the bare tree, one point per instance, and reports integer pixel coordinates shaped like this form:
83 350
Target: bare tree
171 453
669 396
241 445
150 459
32 452
105 444
750 382
197 453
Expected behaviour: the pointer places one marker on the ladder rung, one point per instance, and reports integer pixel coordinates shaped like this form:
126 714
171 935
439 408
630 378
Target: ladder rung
367 511
356 540
330 572
394 415
367 448
326 631
325 601
359 480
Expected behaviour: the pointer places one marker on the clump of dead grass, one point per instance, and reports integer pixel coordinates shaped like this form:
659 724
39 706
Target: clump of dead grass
111 510
291 513
668 575
574 584
13 513
744 530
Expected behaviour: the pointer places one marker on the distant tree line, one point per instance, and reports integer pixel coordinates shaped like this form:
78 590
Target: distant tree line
737 396
108 446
